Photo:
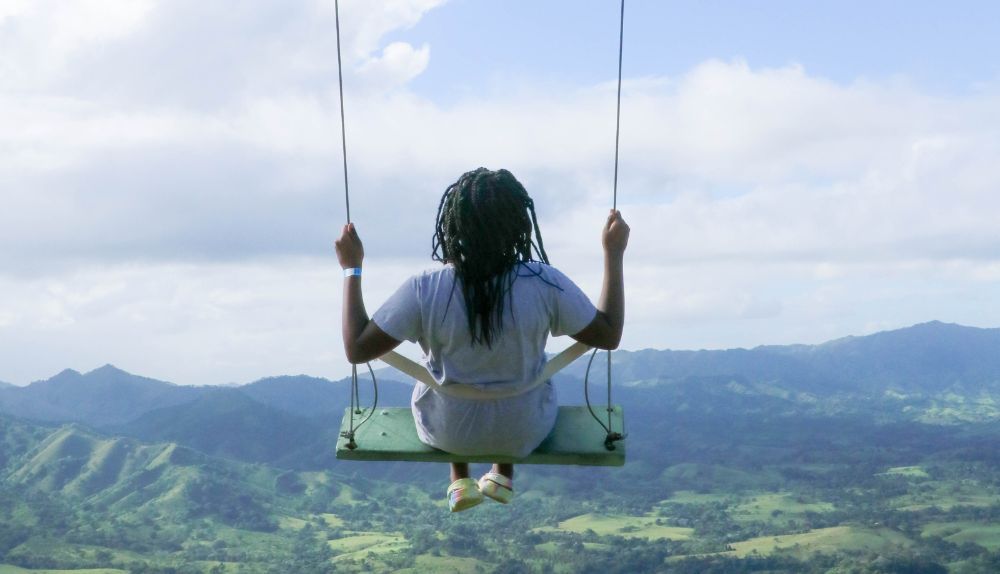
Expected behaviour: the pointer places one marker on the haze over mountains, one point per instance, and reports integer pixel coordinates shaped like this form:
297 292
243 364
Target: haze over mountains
907 374
928 356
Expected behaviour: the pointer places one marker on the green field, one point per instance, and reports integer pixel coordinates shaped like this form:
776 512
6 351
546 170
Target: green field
954 409
627 526
947 495
446 565
780 508
291 523
826 540
296 523
6 569
906 471
359 544
553 547
66 551
692 497
984 534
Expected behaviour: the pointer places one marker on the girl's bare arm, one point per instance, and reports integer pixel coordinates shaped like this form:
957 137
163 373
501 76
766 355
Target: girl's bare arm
363 339
605 331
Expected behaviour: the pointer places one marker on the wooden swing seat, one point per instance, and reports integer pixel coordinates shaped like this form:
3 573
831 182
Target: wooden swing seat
390 435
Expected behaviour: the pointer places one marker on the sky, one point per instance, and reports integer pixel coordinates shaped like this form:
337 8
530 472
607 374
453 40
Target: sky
171 178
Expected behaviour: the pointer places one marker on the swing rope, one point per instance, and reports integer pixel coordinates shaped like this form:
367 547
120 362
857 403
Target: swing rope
355 397
355 408
612 436
618 109
609 441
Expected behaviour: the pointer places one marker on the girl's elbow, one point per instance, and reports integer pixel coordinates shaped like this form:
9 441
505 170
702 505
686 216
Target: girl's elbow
355 356
612 344
612 337
608 343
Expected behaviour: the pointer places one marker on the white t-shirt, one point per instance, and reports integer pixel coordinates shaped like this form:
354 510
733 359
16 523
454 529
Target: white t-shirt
429 309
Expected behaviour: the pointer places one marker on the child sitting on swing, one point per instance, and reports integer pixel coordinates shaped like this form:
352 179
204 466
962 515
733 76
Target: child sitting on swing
483 319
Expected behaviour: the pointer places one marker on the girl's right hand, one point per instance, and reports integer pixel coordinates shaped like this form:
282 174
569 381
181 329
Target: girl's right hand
615 236
350 250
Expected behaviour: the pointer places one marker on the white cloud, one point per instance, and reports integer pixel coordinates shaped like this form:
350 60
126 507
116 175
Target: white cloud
13 8
190 324
158 168
398 63
724 163
42 40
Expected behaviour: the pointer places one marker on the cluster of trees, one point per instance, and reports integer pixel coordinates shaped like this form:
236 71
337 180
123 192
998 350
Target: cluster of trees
224 515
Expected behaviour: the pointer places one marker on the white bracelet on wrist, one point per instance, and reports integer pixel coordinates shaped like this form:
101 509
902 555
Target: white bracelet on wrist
352 271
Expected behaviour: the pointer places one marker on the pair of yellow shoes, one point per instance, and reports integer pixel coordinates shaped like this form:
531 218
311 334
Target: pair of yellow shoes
465 493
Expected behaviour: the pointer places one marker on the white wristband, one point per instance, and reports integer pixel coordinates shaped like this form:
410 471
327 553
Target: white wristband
351 271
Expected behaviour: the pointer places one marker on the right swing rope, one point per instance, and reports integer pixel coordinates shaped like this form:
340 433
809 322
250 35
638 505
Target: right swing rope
355 408
612 435
618 108
609 442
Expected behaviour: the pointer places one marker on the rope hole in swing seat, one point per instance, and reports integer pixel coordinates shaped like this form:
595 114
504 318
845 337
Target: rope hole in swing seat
391 435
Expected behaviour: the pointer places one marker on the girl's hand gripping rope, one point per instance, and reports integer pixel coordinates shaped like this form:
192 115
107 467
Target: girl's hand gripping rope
615 237
350 250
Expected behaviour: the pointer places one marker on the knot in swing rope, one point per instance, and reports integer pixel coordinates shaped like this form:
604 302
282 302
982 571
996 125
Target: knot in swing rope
611 436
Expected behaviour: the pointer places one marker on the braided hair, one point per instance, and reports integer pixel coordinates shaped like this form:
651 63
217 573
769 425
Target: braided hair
483 228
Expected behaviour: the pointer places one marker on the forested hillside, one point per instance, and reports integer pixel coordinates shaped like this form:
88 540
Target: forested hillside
738 461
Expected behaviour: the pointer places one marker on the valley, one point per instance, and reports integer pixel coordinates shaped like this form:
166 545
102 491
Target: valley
764 469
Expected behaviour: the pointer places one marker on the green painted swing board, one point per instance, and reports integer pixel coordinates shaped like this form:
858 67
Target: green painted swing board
391 435
577 439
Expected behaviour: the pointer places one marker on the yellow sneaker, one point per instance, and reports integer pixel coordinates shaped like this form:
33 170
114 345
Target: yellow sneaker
463 494
497 486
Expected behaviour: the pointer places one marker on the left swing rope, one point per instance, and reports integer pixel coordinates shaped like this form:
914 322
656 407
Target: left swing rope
612 436
355 408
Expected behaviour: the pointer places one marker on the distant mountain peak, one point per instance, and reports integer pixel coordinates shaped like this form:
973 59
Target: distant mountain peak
289 379
926 325
108 369
937 325
943 326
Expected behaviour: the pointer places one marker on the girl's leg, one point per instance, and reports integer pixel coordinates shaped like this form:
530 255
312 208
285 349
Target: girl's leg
459 470
505 469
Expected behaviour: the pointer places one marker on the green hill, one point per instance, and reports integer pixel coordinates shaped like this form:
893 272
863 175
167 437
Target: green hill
227 422
16 439
129 477
71 498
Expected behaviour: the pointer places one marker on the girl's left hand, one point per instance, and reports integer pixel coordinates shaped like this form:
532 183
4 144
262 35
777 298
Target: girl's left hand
350 250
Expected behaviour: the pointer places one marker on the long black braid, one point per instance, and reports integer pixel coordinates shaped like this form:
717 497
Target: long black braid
484 225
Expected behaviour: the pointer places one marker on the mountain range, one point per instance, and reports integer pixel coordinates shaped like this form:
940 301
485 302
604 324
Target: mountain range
928 357
931 372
